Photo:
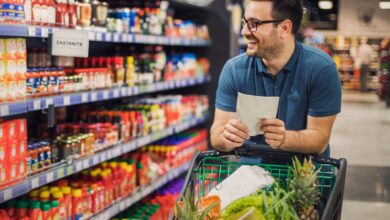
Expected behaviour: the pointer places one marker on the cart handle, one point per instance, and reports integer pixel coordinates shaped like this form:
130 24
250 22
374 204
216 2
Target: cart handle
251 149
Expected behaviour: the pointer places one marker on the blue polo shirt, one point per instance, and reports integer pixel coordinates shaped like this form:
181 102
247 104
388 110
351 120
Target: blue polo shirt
307 85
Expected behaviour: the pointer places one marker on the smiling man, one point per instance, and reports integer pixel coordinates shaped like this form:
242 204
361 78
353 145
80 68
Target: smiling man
275 64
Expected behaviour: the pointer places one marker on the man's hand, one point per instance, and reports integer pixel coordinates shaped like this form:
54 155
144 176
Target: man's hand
234 134
274 132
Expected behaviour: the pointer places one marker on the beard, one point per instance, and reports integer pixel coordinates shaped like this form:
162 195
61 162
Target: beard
272 48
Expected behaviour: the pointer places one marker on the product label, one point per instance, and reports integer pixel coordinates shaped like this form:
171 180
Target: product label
13 150
13 171
101 13
2 175
21 169
11 67
51 15
1 153
21 66
44 14
12 130
22 148
36 13
2 69
22 126
27 10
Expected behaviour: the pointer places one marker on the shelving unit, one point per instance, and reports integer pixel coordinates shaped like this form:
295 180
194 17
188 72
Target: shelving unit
57 171
44 32
35 104
63 170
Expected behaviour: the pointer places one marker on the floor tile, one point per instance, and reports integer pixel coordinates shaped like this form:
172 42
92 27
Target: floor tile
358 210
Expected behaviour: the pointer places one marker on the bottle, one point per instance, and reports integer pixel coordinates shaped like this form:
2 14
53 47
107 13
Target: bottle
51 12
66 191
35 211
59 196
129 71
59 11
44 196
34 195
46 211
55 212
119 71
28 11
77 204
94 4
21 209
44 12
36 12
102 14
85 13
72 13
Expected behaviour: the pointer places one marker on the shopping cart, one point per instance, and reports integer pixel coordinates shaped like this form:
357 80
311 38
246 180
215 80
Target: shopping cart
211 167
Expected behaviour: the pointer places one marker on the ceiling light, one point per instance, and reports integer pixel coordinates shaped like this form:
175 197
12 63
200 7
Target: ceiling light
326 5
384 4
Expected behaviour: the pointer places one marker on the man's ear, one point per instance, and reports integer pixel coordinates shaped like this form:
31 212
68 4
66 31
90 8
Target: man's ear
285 28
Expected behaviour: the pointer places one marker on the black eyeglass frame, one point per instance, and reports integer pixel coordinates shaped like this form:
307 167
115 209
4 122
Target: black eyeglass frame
258 22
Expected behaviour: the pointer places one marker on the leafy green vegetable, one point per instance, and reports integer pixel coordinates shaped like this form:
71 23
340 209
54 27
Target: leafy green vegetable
243 203
250 213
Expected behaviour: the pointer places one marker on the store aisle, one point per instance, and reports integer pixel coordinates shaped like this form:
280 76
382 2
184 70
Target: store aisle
362 135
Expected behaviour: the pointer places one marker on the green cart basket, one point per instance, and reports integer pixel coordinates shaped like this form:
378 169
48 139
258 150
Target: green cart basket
211 167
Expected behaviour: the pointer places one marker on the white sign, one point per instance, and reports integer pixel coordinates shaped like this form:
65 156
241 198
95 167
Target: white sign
70 43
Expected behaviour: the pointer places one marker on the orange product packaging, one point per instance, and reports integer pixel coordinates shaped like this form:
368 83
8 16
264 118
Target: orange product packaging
21 87
67 192
59 196
22 168
77 205
2 49
21 51
35 211
22 128
55 211
10 48
3 174
12 90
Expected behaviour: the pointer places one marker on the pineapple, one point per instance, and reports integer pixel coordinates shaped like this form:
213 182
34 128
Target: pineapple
305 188
189 209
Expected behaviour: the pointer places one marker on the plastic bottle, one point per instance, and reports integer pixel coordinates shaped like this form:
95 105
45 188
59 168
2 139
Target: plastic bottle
44 196
21 209
46 213
66 191
55 212
35 211
34 195
59 196
77 204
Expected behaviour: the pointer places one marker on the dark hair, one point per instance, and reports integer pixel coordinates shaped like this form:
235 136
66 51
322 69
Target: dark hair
287 9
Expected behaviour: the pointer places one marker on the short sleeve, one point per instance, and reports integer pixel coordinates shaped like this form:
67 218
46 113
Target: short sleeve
226 97
325 95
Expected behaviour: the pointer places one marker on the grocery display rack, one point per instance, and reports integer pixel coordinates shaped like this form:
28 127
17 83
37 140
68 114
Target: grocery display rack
42 103
44 32
189 85
63 170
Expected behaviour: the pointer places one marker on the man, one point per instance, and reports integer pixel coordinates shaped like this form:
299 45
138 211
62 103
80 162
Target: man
305 79
364 59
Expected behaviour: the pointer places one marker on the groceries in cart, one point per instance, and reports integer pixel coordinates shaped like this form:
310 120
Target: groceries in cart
250 192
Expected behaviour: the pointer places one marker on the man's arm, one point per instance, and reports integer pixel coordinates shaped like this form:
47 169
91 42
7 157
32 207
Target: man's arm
314 139
227 132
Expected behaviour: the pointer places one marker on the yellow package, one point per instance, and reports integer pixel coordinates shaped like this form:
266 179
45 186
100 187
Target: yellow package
10 48
21 48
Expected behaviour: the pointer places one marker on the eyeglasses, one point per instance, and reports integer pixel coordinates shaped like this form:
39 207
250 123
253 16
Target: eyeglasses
252 23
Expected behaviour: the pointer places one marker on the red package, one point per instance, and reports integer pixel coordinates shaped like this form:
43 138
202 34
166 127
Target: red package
22 150
22 128
3 174
11 130
12 153
22 168
3 149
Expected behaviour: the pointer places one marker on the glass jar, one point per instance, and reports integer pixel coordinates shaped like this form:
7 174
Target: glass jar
85 13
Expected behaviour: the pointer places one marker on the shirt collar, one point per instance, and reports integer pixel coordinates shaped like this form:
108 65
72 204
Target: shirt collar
290 64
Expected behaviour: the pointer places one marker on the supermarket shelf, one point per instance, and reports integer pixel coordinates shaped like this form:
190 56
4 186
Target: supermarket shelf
94 96
43 32
64 170
123 204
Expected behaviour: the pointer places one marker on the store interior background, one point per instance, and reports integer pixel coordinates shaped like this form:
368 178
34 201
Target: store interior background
361 131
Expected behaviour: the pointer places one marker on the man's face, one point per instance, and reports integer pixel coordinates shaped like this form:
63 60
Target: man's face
265 41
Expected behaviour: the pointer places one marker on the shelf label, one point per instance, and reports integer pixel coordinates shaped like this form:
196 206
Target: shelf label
35 183
144 141
103 157
94 96
99 36
124 91
84 97
31 32
8 194
4 110
116 93
79 166
106 94
91 35
122 206
116 37
49 102
95 159
37 104
69 170
44 32
60 173
116 152
66 100
136 90
125 38
70 43
86 163
108 36
49 177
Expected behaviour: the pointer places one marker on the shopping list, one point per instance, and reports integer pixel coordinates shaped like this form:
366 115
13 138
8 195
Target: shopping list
251 109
